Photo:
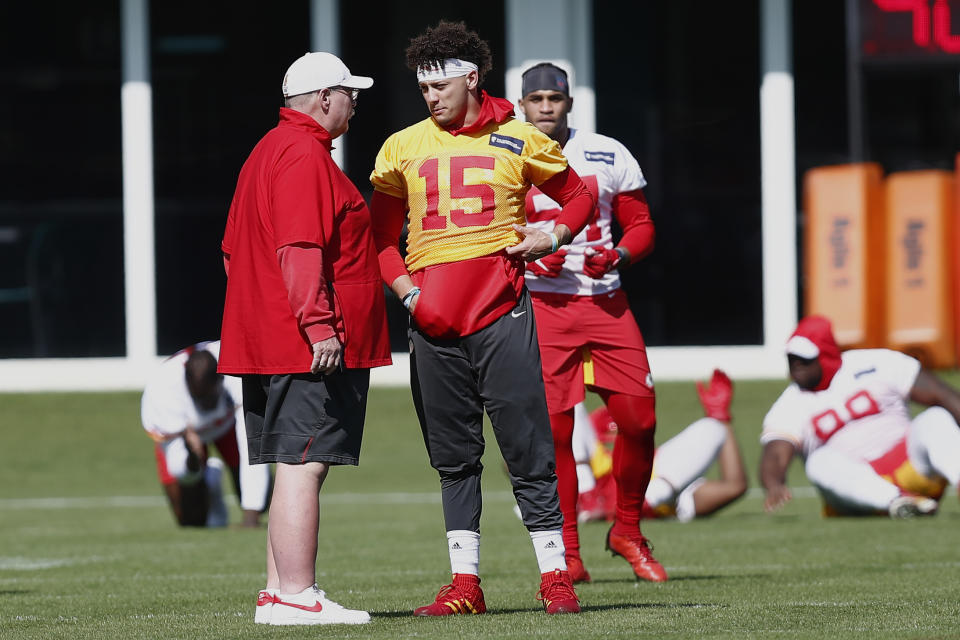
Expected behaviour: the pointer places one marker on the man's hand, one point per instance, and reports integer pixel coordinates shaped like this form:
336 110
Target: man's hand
597 262
549 266
777 496
326 355
535 244
196 449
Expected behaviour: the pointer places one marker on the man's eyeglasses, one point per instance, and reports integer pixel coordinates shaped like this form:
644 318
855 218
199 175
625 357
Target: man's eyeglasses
353 93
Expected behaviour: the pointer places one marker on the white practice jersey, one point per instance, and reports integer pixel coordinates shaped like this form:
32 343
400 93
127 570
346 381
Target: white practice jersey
863 413
606 168
167 408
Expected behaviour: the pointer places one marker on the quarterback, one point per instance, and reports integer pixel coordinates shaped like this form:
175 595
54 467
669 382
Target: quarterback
459 179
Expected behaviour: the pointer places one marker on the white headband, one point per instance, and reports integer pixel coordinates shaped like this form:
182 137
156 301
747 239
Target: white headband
451 68
802 347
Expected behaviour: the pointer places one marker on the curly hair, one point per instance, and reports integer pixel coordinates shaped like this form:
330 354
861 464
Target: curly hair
449 40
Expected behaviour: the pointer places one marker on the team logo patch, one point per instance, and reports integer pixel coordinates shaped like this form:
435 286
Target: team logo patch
599 156
506 142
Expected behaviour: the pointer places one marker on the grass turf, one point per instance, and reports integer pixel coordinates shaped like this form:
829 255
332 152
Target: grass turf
88 548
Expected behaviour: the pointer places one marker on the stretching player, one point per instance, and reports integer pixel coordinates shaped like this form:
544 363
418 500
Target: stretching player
587 334
460 177
186 405
677 487
847 417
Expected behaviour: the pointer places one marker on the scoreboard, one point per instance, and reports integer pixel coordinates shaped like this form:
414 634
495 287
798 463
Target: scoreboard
909 30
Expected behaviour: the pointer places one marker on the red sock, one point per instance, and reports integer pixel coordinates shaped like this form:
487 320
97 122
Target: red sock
632 456
466 580
562 426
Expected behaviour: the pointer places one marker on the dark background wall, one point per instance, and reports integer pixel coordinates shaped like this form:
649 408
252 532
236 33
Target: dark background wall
677 82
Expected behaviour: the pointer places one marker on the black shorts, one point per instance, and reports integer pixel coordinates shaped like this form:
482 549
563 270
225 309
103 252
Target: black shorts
302 417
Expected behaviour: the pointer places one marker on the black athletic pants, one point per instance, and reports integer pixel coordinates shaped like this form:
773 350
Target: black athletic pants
497 369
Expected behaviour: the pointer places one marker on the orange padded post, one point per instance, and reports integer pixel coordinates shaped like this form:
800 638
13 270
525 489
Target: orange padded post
920 263
843 251
955 251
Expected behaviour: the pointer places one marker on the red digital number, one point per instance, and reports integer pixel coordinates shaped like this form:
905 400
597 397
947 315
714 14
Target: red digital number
921 16
922 31
941 28
432 219
859 405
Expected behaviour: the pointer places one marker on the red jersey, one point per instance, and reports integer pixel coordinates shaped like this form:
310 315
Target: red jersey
290 192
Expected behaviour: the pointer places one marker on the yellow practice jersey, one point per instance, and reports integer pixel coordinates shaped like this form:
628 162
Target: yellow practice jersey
464 192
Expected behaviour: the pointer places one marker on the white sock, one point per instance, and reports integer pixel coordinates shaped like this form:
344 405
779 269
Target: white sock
464 548
585 479
549 548
217 511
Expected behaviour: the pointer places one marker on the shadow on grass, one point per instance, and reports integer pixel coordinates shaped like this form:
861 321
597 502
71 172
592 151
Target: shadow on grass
707 576
13 592
585 609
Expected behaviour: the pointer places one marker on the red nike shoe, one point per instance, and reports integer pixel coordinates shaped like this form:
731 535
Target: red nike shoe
637 550
557 594
462 596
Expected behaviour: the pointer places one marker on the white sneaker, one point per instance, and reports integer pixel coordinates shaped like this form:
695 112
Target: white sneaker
311 606
912 506
265 605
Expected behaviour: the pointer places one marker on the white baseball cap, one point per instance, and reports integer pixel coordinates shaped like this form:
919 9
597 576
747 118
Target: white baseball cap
320 70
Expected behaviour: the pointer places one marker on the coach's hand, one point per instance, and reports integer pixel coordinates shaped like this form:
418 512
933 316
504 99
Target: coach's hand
549 266
326 355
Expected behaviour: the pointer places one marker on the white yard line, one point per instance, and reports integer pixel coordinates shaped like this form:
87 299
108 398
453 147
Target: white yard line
432 497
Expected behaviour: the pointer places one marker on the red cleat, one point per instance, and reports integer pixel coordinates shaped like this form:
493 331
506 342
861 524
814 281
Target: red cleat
637 551
557 594
577 571
462 596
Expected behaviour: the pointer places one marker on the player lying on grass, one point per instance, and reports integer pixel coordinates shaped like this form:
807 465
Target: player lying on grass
847 417
677 487
186 406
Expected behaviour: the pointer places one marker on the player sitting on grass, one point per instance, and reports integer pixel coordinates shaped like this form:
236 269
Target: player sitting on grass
677 487
847 417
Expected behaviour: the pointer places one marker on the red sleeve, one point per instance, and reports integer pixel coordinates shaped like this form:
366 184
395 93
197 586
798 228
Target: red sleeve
568 189
387 215
303 200
302 268
633 214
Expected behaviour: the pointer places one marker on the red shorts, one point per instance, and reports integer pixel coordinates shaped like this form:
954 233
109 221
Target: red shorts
589 341
894 466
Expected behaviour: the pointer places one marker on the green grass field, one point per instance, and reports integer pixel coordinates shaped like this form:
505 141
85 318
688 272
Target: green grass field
88 548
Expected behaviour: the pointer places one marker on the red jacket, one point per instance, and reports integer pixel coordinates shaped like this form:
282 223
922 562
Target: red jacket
290 192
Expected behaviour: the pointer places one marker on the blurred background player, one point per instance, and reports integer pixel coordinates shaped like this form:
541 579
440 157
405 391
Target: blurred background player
847 417
677 487
187 405
587 334
473 344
